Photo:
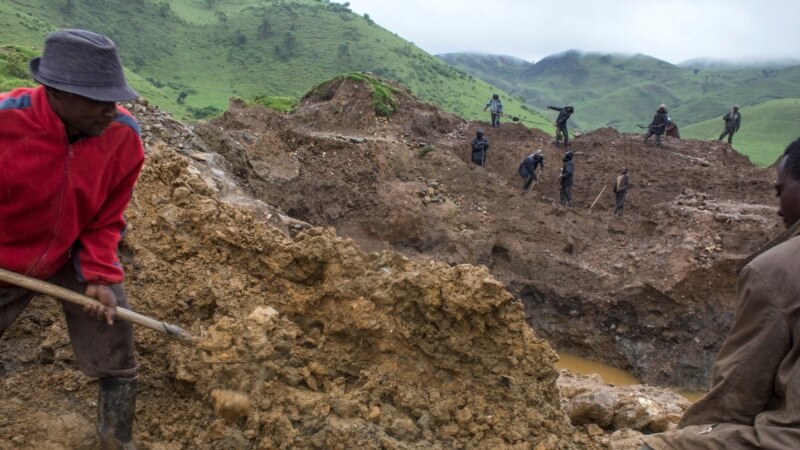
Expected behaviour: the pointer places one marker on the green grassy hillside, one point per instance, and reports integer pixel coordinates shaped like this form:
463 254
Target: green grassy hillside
766 130
624 91
199 53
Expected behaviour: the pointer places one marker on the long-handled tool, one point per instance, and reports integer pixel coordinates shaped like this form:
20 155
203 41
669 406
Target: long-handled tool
84 300
530 188
598 198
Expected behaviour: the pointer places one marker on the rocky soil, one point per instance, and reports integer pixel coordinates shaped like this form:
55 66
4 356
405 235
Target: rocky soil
650 292
408 326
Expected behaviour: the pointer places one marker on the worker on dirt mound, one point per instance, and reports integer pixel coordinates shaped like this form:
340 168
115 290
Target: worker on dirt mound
565 179
659 125
495 107
754 401
69 159
733 119
480 145
561 123
528 166
621 185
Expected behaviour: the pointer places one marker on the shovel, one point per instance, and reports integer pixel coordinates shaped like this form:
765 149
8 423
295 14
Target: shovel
84 300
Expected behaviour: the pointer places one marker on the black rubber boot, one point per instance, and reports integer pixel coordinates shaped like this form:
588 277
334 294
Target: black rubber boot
116 406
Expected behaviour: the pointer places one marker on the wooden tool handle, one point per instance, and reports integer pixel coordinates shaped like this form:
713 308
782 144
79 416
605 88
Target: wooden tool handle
84 300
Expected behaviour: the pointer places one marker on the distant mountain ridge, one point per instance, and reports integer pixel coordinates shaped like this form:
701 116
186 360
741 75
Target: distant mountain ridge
623 91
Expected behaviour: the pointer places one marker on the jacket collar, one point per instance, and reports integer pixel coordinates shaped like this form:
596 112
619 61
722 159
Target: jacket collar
45 115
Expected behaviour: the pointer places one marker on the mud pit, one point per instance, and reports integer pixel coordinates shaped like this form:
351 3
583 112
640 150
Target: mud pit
313 340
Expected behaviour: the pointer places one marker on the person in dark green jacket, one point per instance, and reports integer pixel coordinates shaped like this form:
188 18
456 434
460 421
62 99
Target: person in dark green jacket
732 122
561 123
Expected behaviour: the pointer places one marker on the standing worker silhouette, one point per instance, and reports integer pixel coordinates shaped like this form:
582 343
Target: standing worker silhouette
733 120
495 107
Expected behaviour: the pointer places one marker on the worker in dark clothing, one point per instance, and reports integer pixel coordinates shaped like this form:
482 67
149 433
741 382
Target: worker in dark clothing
659 125
495 107
621 186
480 145
732 122
567 174
561 123
527 169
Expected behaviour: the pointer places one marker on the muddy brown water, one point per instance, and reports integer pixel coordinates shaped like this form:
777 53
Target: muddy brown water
610 375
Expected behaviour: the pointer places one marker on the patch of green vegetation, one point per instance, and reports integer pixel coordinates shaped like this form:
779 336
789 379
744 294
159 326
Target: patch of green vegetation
424 151
280 104
14 68
766 130
383 101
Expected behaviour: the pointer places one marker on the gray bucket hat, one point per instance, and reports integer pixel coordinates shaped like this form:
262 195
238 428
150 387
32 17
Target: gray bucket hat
83 63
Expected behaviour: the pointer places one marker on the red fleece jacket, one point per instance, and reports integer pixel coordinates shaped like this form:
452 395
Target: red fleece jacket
59 199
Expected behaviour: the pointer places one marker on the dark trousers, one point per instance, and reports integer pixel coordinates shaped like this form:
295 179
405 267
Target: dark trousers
101 350
561 131
479 158
727 132
495 120
620 200
566 195
529 182
651 133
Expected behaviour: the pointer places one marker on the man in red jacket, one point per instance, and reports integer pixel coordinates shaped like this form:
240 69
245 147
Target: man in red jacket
69 159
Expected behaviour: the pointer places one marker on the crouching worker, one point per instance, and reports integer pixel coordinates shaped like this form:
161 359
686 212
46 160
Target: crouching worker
480 145
755 380
528 166
69 159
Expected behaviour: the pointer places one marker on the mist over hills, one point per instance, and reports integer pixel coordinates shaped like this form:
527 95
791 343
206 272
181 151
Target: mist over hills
727 64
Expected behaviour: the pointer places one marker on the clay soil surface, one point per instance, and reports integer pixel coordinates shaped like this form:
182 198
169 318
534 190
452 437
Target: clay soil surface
357 283
650 292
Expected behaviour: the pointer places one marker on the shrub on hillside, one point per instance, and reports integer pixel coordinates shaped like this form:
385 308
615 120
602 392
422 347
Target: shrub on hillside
16 64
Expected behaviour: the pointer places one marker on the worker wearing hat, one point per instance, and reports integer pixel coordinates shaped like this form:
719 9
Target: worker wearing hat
69 159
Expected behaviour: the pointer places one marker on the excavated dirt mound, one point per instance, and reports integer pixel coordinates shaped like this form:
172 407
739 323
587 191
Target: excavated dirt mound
306 342
650 292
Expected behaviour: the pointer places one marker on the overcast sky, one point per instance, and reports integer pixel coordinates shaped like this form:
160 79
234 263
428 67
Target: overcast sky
671 30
